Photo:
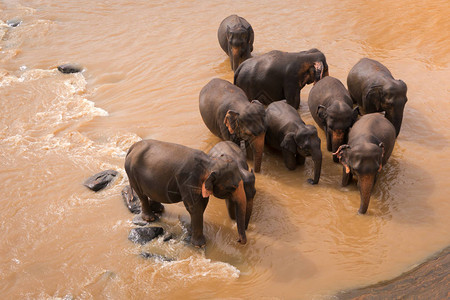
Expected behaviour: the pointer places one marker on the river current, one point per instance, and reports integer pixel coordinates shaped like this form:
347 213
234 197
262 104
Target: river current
145 63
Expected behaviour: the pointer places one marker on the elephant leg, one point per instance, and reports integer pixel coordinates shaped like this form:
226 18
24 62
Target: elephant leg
346 177
289 159
292 95
300 159
231 209
328 135
146 210
156 207
197 237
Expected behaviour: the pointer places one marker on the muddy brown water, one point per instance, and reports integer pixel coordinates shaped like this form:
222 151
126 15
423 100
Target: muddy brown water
145 63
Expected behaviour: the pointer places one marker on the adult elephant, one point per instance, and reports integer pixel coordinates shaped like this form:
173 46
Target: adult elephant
229 115
370 144
161 172
332 109
236 38
374 89
287 133
229 150
280 75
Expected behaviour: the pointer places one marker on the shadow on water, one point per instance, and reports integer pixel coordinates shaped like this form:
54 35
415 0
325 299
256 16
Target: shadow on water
417 128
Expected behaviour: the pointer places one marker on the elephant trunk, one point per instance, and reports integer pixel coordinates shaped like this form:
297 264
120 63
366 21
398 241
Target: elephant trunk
235 58
395 117
365 184
238 197
337 139
258 148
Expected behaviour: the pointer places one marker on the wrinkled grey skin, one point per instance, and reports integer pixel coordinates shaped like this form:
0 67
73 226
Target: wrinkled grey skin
287 133
370 144
161 172
228 114
374 89
236 38
332 108
229 149
280 75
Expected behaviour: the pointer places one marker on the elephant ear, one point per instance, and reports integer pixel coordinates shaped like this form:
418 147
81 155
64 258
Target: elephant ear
231 121
375 96
381 145
341 155
322 114
356 113
288 143
228 33
318 71
208 184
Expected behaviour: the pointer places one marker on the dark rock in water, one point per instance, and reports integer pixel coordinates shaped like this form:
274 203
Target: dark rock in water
147 255
137 220
131 200
167 237
13 22
100 180
144 235
70 68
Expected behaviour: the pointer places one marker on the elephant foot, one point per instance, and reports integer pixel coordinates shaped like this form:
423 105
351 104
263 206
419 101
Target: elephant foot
198 242
149 217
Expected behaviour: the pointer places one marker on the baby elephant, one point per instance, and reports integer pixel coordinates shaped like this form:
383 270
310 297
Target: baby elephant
332 108
287 132
373 88
161 172
226 111
370 143
236 38
227 150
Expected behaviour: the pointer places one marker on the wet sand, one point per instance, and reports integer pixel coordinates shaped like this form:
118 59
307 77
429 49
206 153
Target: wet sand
429 280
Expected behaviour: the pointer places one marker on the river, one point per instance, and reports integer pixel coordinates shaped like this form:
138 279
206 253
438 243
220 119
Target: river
145 64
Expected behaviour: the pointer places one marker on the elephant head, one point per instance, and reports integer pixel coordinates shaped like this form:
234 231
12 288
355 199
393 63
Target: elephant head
250 191
364 161
305 142
250 126
224 181
336 120
240 44
391 98
314 68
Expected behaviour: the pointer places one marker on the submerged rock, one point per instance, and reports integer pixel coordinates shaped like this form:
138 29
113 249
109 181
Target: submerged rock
137 220
144 235
100 180
70 68
131 200
13 22
148 255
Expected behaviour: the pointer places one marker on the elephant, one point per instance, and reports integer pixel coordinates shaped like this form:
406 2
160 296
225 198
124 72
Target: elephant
162 172
370 144
332 109
280 75
228 150
236 38
374 89
287 133
229 115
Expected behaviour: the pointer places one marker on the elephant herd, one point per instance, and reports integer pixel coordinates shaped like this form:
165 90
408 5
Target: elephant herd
260 108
